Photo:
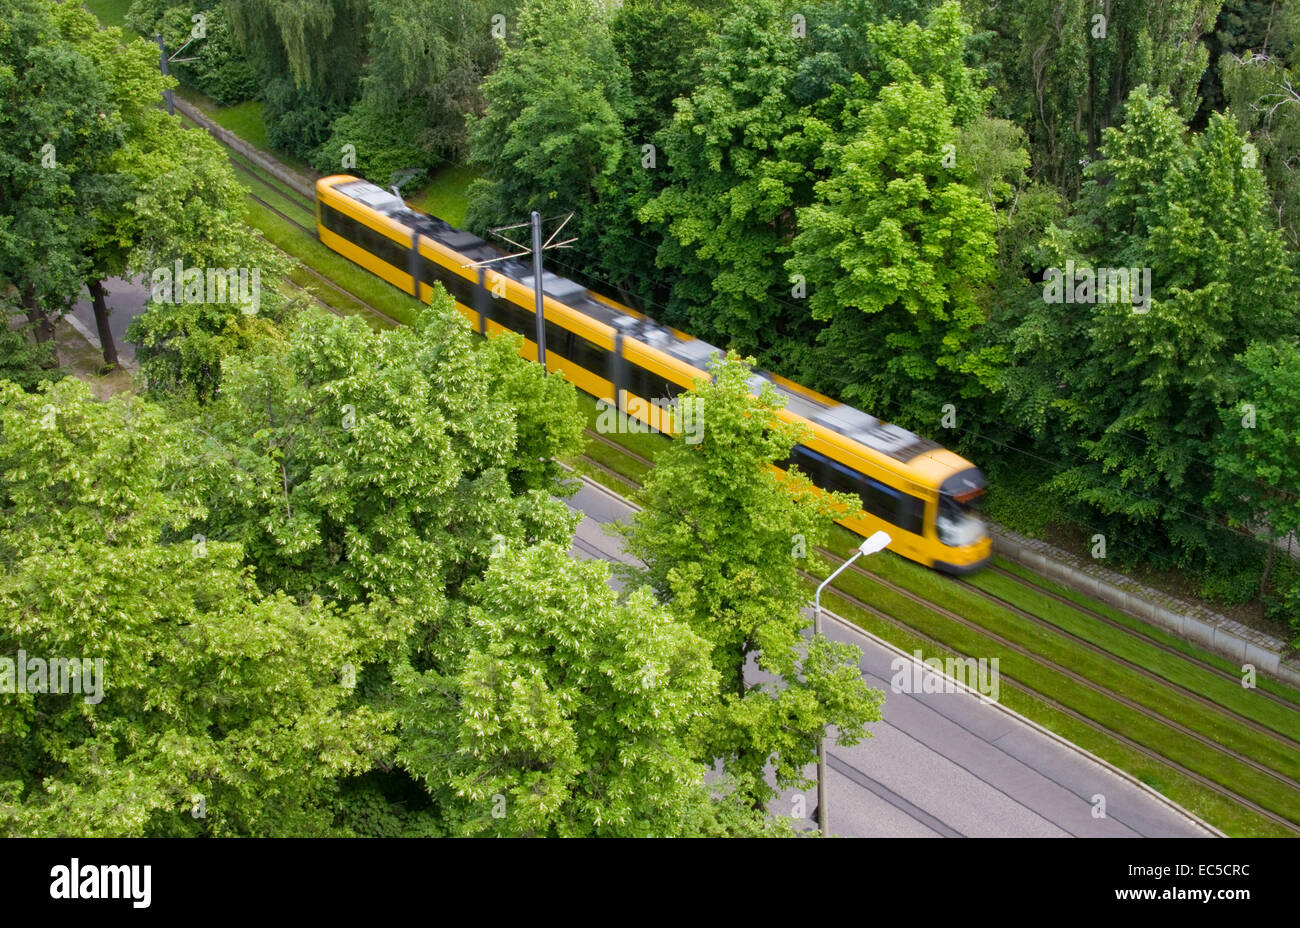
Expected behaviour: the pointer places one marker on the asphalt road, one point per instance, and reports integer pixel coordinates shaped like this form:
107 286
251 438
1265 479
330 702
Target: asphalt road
944 764
125 301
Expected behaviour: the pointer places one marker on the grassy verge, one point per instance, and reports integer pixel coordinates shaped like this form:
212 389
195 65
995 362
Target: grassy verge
445 194
247 120
1171 667
1099 669
1100 707
110 12
1151 631
302 210
373 290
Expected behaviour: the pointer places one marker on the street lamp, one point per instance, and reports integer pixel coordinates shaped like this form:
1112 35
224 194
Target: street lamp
877 542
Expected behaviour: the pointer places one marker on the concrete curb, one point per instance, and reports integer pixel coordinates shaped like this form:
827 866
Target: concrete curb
1191 622
303 185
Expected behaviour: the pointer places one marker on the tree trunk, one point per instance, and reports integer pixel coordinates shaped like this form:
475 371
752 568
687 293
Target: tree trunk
1268 567
97 295
41 324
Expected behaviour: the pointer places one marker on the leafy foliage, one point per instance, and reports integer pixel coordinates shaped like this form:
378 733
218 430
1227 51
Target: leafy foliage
569 711
1141 391
717 534
221 709
352 463
220 69
553 136
895 252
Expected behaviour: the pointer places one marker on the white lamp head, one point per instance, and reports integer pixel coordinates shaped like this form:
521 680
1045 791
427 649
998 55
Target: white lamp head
877 542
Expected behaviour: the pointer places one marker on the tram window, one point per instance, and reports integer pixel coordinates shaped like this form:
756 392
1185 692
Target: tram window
911 514
811 464
462 290
879 499
590 356
649 385
365 238
503 312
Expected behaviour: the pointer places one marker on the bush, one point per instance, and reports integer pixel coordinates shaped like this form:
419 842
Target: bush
1232 569
383 146
221 70
1282 601
296 123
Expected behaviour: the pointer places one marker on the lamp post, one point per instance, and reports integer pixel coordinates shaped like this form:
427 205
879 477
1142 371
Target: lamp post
537 289
877 542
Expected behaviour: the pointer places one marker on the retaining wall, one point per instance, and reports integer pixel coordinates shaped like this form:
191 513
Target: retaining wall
1195 623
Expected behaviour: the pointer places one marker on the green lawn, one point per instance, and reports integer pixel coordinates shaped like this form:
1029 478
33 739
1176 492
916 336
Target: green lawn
445 194
378 293
1171 667
1151 631
243 119
109 12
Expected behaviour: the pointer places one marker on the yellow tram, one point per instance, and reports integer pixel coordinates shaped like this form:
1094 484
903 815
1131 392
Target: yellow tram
911 487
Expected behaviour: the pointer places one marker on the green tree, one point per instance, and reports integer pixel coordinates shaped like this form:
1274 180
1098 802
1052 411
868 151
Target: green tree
718 534
189 208
351 463
726 209
1262 87
895 251
1141 386
425 72
116 179
216 710
570 712
310 56
1257 454
62 125
23 360
660 42
553 136
1066 67
211 61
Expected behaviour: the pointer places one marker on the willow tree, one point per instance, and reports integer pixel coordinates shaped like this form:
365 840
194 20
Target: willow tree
1262 86
310 55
